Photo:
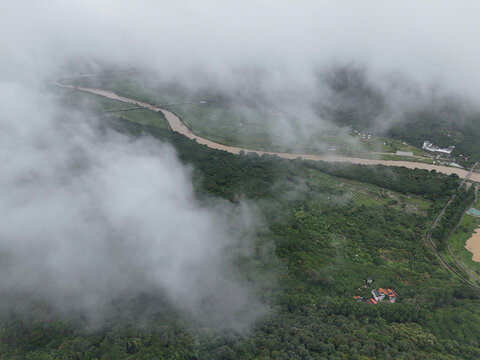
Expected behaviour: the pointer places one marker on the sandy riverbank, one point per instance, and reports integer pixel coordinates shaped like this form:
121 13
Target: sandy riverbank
473 245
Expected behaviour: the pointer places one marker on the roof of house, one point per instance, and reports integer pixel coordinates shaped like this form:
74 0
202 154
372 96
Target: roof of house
389 292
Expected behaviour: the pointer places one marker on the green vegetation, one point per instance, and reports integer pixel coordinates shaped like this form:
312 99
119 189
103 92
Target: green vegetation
102 104
442 120
445 125
391 145
225 121
144 117
393 157
228 126
326 239
458 241
452 216
401 179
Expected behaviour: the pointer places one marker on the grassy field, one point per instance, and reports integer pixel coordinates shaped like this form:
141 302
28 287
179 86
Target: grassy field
367 194
392 157
134 86
384 145
144 117
255 129
101 104
391 145
460 237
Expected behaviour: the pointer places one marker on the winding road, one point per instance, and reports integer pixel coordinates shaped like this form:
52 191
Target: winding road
177 125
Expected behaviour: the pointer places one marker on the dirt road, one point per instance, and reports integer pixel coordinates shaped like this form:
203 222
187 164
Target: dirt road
177 125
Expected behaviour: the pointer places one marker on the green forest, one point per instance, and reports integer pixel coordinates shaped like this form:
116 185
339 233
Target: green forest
327 228
441 119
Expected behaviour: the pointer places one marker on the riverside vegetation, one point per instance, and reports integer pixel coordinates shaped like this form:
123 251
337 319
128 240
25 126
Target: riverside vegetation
442 120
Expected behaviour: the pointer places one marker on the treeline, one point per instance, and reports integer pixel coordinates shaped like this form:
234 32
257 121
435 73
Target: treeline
452 216
253 176
429 184
220 173
443 126
444 120
308 333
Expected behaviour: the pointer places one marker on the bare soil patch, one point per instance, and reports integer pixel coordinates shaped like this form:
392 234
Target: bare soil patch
473 245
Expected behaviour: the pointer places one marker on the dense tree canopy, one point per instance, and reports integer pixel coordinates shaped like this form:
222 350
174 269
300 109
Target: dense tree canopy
325 244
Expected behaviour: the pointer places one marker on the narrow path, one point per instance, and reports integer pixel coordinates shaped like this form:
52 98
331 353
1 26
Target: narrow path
176 124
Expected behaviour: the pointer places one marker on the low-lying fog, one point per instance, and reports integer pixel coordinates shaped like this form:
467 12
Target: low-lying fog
89 215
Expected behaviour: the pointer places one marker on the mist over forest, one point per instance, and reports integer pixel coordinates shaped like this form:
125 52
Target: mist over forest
128 237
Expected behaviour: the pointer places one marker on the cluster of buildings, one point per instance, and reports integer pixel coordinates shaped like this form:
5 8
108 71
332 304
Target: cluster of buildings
378 295
427 145
363 136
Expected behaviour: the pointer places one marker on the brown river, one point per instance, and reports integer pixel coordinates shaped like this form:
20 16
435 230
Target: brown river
177 125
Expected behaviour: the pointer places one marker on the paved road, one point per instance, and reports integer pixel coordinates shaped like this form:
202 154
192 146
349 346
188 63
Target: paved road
177 125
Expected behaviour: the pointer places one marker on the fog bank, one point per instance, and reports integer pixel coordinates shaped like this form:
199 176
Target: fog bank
89 215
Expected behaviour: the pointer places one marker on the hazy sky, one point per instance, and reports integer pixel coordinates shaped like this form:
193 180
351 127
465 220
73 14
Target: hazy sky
430 41
89 215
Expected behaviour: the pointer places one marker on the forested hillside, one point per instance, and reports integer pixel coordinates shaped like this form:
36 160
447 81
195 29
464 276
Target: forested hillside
326 228
444 120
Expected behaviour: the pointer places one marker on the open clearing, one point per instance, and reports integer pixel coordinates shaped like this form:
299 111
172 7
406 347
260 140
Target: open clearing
473 245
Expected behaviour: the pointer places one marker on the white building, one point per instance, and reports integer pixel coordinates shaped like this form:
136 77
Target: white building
378 296
427 145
